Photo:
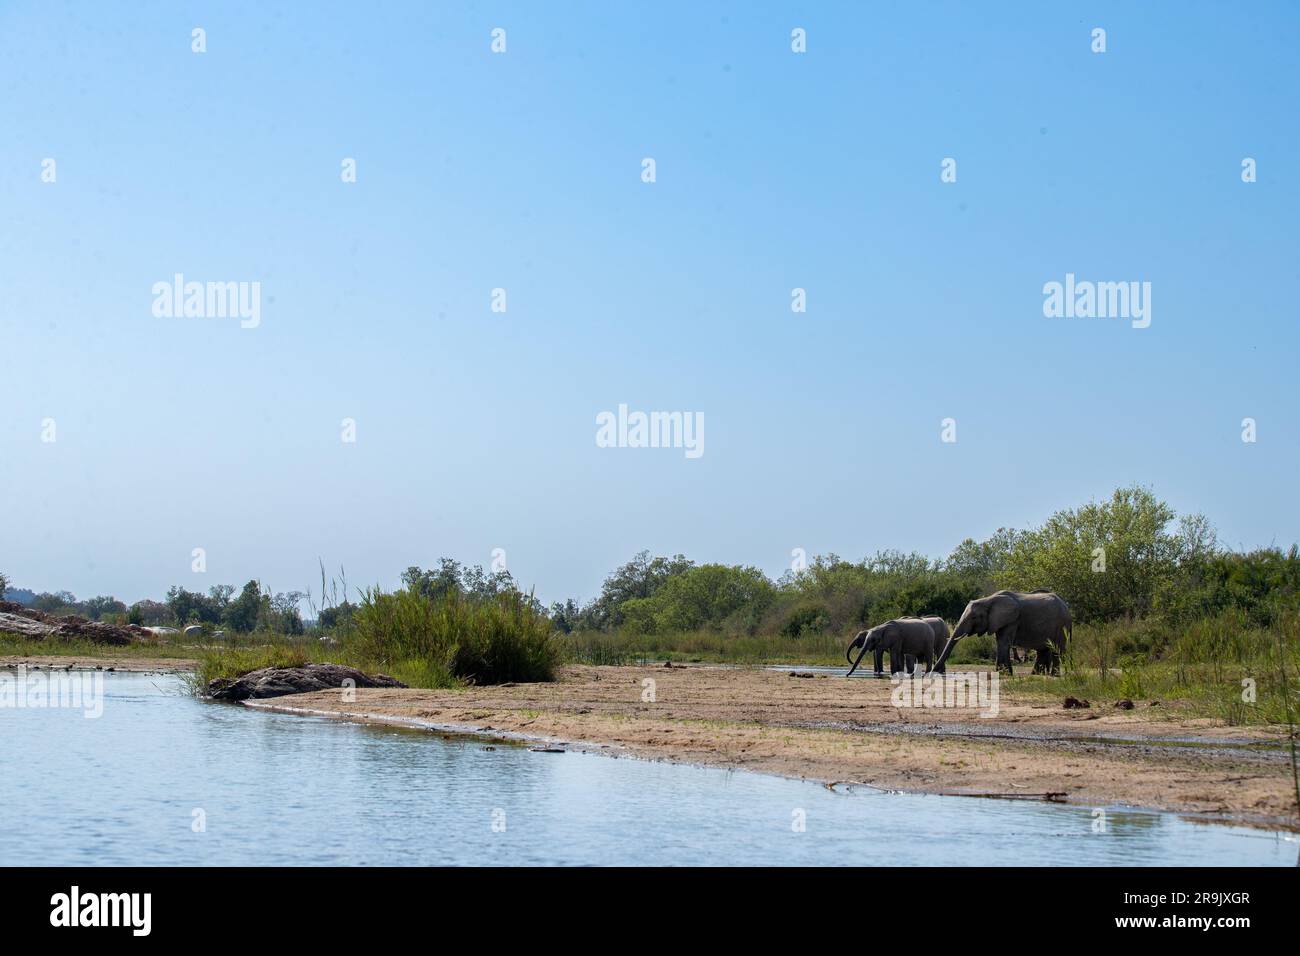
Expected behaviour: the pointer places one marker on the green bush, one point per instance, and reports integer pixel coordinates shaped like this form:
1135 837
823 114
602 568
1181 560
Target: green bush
710 595
809 619
450 637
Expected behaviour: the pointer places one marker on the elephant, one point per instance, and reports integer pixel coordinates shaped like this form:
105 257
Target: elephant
897 662
908 640
940 628
1038 620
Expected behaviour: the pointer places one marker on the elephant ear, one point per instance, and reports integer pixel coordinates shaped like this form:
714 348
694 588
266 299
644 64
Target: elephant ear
1003 610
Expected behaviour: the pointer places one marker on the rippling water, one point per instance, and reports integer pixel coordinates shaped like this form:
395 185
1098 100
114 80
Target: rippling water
276 789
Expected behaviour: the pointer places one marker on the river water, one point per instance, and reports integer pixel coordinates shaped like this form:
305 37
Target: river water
163 778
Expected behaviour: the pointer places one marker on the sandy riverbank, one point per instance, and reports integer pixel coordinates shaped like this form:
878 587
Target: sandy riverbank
829 729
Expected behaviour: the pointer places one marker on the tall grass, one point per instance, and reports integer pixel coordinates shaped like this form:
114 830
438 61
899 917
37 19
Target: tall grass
596 647
623 647
454 639
1222 665
217 662
20 645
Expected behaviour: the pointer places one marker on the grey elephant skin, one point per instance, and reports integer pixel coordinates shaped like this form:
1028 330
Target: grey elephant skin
908 640
1035 620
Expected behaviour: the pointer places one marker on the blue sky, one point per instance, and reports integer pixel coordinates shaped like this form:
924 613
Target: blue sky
522 171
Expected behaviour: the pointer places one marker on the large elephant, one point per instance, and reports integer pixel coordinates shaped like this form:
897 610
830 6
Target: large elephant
908 640
1037 620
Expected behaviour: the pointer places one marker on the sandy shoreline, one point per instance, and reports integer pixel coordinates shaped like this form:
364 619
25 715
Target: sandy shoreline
832 730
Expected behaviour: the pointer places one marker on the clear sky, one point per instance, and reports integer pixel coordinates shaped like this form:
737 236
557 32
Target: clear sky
522 170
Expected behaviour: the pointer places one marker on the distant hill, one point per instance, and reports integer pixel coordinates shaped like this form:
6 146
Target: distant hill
21 596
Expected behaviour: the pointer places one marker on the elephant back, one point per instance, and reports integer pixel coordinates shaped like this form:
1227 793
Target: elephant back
940 628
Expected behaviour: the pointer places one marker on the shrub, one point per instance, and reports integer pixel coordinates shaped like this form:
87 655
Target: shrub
487 641
809 619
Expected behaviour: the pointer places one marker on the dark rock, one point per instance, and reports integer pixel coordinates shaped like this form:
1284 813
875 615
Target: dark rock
1073 703
280 681
1124 704
39 626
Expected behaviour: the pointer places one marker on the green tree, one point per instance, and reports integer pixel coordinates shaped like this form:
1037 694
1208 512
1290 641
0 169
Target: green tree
242 613
60 602
1111 559
638 579
709 595
97 607
192 607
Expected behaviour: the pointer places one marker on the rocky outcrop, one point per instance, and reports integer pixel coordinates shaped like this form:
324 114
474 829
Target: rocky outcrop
280 681
17 619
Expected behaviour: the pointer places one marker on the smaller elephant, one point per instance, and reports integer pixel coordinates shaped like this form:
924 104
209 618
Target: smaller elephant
897 662
907 639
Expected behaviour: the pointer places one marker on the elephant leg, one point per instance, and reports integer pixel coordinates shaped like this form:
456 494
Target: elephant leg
911 663
880 661
1004 649
896 662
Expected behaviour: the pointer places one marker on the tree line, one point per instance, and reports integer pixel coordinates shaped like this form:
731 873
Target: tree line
1128 557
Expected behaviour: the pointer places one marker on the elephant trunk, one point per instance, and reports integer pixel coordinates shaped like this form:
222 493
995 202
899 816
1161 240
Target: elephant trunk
943 655
961 630
861 654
